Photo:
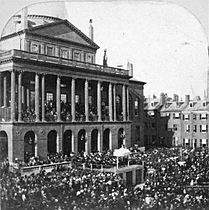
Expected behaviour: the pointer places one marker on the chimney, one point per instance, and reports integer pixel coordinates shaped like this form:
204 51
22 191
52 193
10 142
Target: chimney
105 58
187 99
162 99
130 68
91 30
175 98
24 18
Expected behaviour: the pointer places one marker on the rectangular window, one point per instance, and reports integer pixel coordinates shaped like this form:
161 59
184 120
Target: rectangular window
187 142
63 97
200 142
49 97
195 143
35 48
194 128
176 115
186 116
63 53
187 128
136 107
49 50
175 127
203 128
194 116
77 98
89 58
183 143
203 116
204 142
90 100
77 56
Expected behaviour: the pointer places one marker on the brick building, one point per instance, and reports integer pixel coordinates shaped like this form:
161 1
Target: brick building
54 98
176 123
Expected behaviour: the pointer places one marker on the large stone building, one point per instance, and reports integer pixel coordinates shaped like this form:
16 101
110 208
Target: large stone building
54 98
176 123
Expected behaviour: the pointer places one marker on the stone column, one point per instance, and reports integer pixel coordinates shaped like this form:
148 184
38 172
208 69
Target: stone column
99 100
20 96
23 96
73 99
110 141
43 98
87 100
12 96
99 146
58 98
124 102
73 142
5 91
37 97
114 101
110 101
1 89
127 101
58 143
28 98
86 143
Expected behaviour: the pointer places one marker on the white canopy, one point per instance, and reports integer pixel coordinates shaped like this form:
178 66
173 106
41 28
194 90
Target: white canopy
121 152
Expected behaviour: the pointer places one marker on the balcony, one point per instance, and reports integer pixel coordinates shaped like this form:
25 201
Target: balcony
63 61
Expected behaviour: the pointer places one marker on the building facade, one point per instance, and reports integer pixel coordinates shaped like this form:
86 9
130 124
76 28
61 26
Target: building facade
177 123
54 98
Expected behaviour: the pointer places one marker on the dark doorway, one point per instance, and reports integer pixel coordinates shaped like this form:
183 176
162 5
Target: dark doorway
29 146
94 140
81 140
67 142
106 139
52 142
3 146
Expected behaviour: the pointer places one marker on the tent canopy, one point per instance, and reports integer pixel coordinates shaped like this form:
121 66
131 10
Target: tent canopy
121 152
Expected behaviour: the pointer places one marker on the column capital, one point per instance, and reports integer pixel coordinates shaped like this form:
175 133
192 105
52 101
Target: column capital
20 71
13 70
43 74
38 73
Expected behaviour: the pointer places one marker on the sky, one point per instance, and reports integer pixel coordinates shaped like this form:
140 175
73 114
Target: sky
165 40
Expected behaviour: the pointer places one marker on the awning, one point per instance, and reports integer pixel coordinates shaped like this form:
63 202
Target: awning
121 152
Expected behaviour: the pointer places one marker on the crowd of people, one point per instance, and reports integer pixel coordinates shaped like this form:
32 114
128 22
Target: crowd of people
28 114
174 179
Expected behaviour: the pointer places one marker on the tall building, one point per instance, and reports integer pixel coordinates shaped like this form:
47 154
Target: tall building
55 98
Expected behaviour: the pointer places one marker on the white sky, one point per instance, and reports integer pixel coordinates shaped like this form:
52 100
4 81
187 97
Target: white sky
166 44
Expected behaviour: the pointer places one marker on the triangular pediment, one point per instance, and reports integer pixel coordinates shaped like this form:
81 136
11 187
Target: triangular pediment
66 31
